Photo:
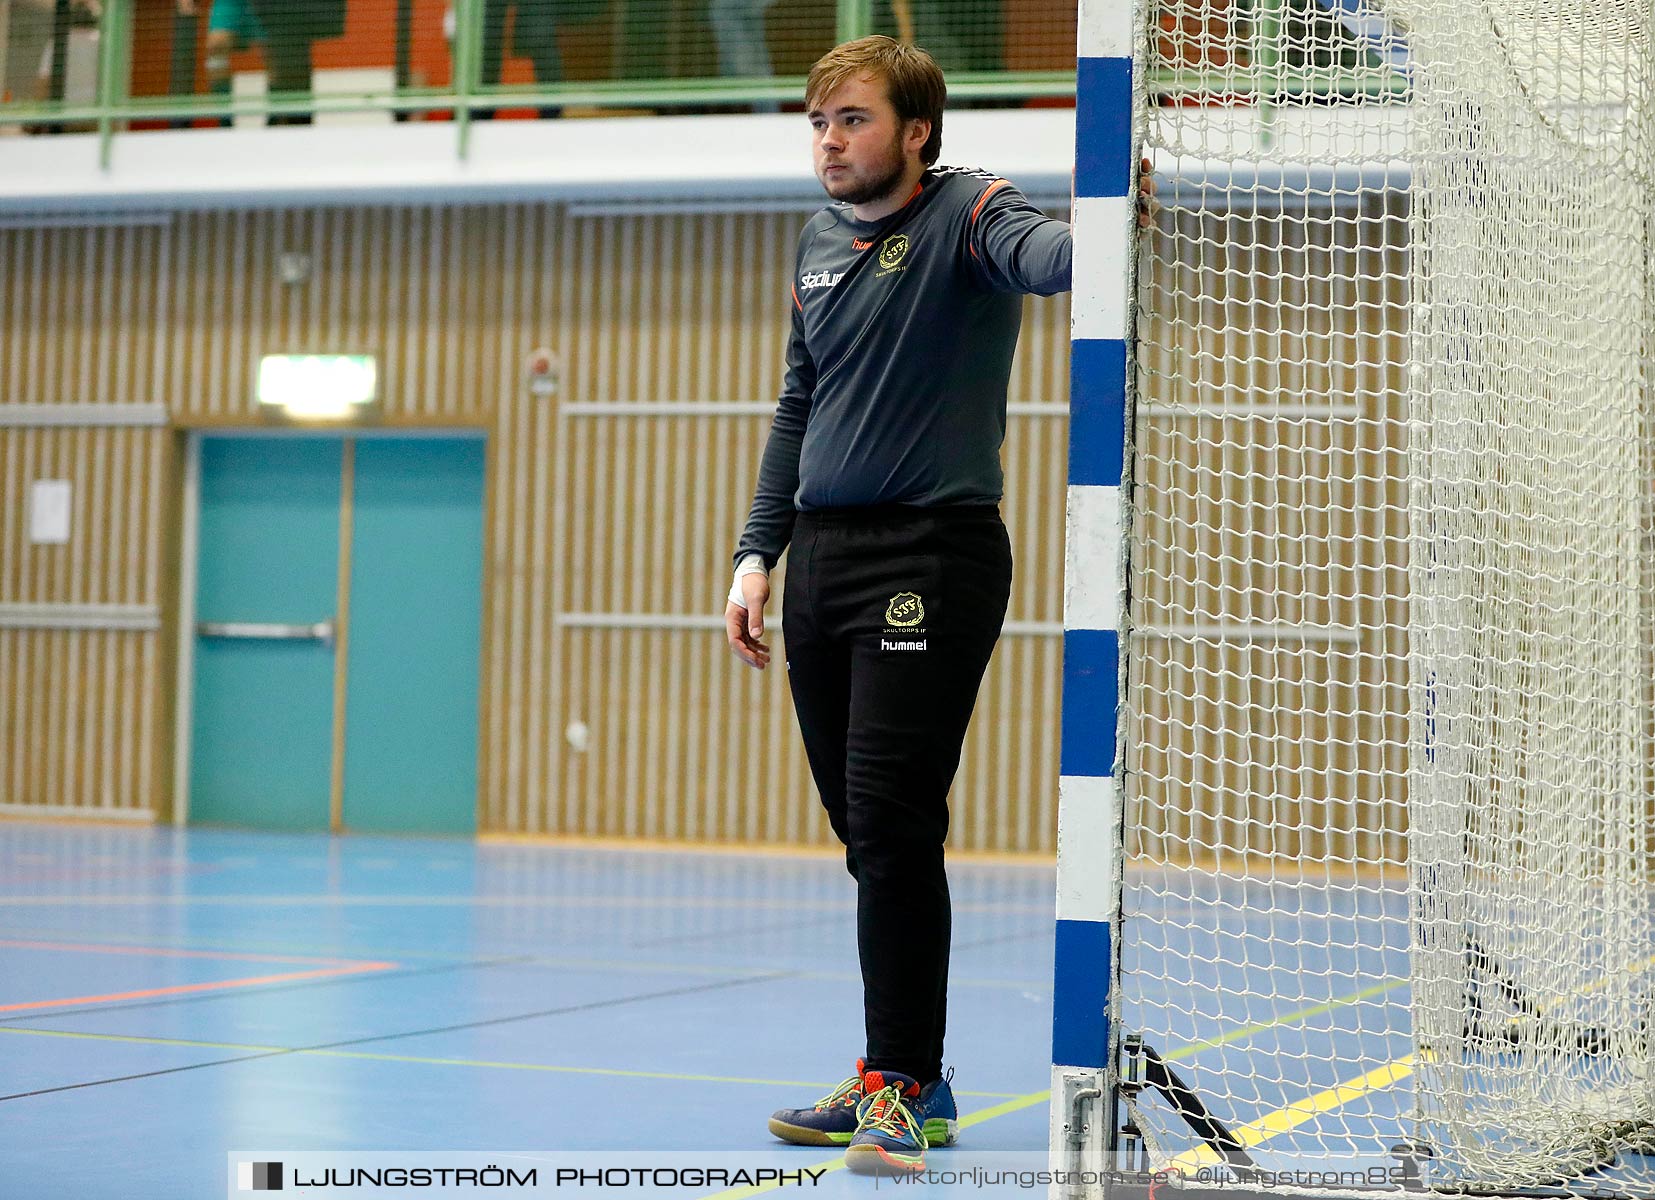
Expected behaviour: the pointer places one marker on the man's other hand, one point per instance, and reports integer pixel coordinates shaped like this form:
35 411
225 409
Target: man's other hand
744 627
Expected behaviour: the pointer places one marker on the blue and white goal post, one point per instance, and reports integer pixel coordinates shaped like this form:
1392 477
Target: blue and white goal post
1089 878
1403 534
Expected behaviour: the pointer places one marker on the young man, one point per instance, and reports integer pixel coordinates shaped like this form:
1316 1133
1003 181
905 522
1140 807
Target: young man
883 471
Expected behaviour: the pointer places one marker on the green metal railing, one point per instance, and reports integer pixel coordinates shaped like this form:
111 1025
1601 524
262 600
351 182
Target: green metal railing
114 109
1259 74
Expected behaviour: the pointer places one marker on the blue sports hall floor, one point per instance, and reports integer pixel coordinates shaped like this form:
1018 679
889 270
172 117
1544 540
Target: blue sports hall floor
175 1002
167 997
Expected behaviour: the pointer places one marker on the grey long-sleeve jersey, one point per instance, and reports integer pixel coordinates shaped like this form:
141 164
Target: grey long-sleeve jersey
900 352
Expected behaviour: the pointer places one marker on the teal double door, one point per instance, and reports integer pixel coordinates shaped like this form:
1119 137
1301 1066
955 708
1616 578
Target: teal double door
336 632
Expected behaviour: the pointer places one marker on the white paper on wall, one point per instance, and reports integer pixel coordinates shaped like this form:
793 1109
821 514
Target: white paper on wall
49 503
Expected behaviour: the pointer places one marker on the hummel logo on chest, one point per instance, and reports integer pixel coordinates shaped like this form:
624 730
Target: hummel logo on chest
857 243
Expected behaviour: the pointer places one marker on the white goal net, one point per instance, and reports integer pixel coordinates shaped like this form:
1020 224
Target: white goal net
1388 788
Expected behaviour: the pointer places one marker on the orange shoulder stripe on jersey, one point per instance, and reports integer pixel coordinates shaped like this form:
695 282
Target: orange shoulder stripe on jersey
989 191
982 200
795 291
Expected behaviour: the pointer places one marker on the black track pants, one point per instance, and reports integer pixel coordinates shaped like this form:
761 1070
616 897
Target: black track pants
888 623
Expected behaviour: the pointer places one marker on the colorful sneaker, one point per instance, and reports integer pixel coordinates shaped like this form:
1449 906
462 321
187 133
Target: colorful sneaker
889 1139
832 1122
938 1115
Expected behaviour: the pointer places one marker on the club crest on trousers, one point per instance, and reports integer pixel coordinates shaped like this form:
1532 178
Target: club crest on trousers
905 610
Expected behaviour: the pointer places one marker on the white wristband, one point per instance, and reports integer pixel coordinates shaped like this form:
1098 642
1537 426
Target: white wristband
750 564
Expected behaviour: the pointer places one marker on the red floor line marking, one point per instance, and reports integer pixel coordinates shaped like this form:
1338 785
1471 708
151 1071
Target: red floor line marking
217 985
171 952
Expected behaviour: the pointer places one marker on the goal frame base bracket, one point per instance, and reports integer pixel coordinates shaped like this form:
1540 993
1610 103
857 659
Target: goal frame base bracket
1143 1067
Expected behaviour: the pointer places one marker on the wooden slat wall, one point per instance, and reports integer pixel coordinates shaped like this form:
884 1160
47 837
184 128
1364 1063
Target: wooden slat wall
82 713
631 516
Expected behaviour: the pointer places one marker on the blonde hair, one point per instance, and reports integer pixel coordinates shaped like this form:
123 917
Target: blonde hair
912 79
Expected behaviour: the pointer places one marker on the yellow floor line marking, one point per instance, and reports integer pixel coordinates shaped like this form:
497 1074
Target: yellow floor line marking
1284 1120
1015 1104
809 1085
1296 1017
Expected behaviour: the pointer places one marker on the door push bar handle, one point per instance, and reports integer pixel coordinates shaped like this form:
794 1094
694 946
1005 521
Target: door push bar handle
321 631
